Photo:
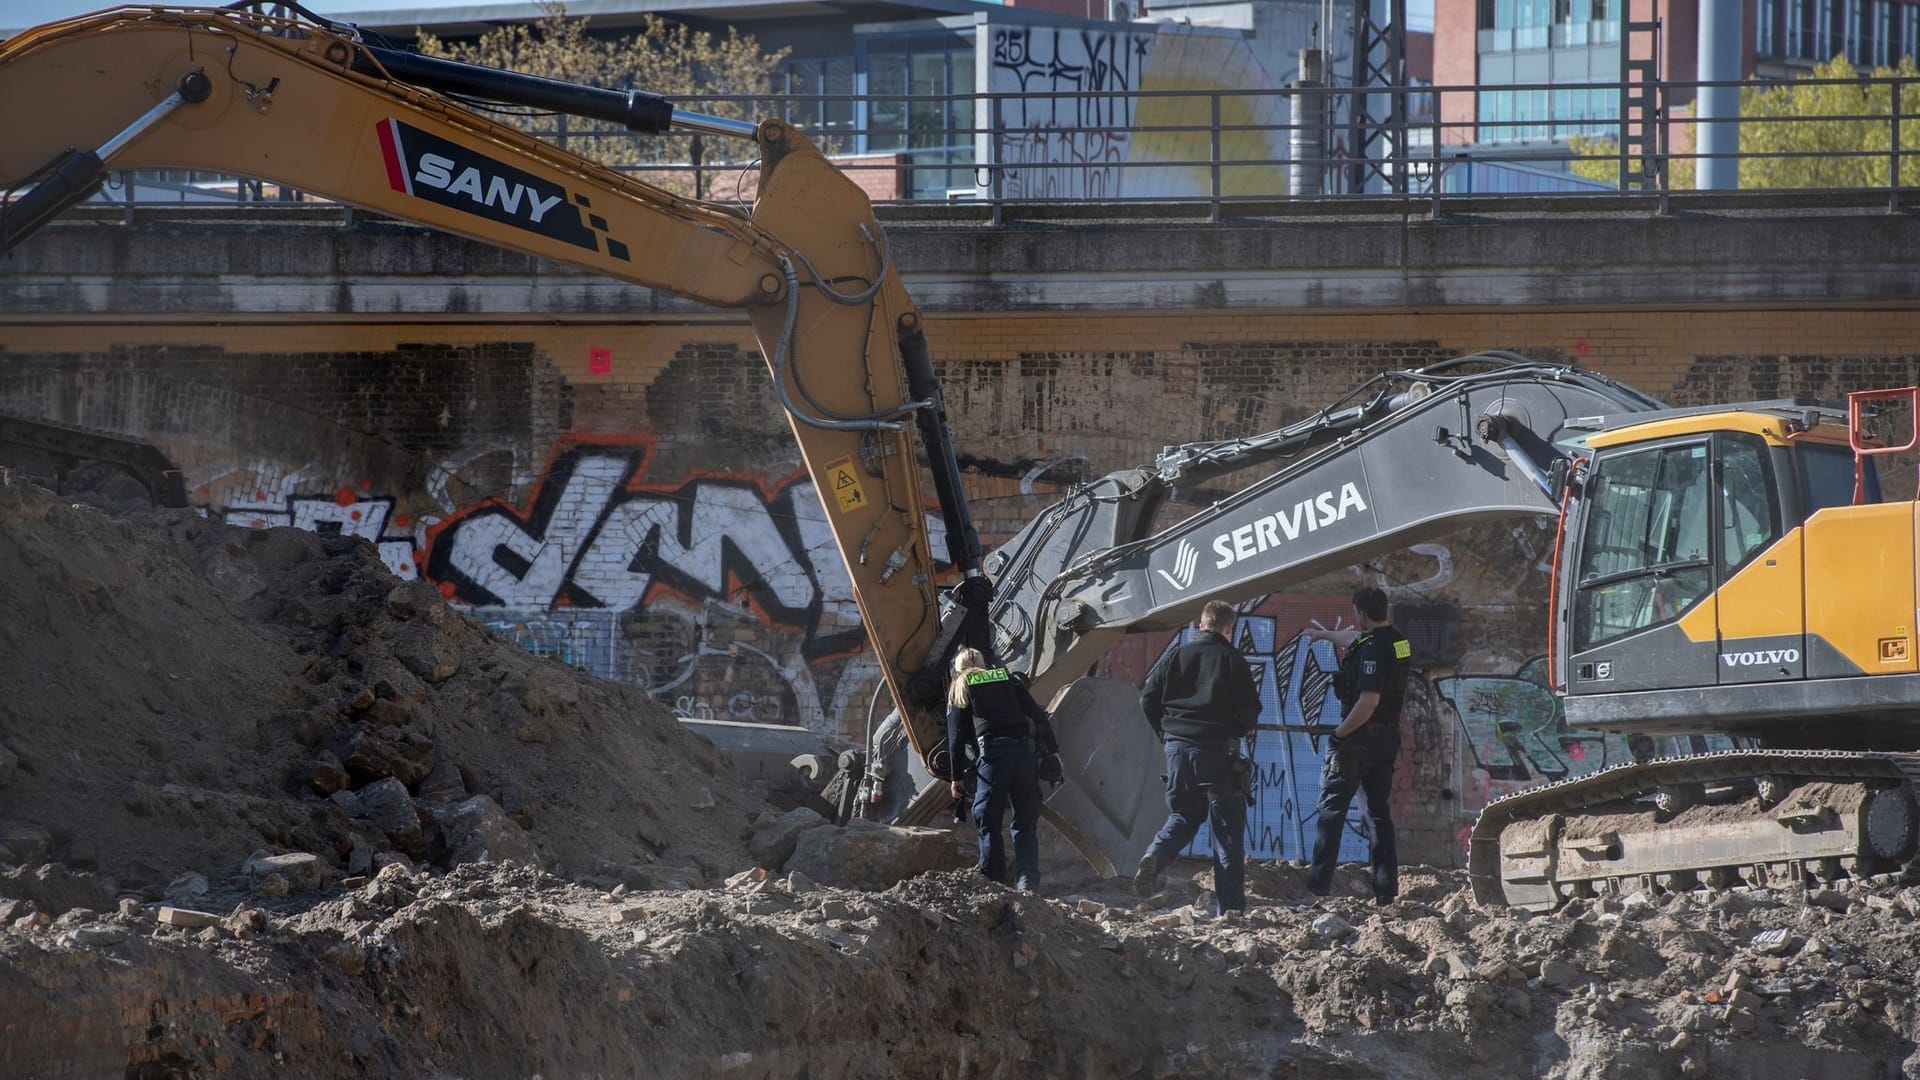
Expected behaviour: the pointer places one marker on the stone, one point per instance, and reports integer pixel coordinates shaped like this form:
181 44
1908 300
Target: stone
94 937
478 830
325 774
246 921
272 887
1459 966
634 913
303 871
186 888
1775 942
372 757
28 844
1330 927
800 884
745 878
444 783
865 855
130 908
1092 909
186 918
774 836
1559 974
426 652
386 806
1634 902
1830 899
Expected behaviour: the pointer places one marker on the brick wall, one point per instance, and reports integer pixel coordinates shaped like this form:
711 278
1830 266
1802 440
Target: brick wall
502 459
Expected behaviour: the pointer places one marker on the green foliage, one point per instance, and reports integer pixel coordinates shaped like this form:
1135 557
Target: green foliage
1803 118
1843 126
1599 159
664 58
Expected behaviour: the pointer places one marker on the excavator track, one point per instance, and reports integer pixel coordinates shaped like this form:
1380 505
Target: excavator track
1755 816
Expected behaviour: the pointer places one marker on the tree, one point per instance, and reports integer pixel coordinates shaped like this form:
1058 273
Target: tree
1839 118
1848 124
664 58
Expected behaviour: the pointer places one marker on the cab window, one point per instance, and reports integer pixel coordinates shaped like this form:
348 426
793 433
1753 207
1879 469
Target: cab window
1749 517
1645 552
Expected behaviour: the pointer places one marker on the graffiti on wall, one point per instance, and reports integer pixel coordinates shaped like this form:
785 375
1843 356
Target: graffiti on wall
1078 115
343 512
725 596
1073 145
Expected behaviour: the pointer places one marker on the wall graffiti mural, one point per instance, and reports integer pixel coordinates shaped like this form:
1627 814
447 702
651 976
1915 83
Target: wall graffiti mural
1078 118
1070 146
344 512
725 596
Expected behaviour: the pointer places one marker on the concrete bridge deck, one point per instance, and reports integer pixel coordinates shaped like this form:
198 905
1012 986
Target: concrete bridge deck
267 261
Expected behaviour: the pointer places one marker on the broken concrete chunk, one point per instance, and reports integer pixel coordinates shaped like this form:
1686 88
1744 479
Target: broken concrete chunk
303 871
186 888
630 914
186 918
478 830
1774 942
864 855
386 806
774 836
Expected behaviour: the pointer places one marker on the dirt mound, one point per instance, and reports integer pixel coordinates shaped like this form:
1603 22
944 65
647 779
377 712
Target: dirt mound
392 844
177 695
489 971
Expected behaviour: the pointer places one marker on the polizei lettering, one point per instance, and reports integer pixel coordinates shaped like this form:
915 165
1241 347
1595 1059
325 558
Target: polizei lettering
436 170
1306 516
1763 658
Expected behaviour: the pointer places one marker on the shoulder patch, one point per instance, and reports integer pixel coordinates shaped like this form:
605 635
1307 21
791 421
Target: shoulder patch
1368 667
990 675
1403 649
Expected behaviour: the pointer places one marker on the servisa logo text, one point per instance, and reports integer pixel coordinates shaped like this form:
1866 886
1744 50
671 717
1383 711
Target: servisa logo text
1759 659
1271 531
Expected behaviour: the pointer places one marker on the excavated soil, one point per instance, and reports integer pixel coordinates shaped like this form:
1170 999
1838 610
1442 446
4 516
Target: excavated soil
421 852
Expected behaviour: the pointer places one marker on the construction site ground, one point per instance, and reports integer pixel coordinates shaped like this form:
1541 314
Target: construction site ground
267 811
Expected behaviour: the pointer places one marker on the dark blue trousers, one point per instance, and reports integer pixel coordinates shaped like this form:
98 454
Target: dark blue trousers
1199 788
1362 761
1009 772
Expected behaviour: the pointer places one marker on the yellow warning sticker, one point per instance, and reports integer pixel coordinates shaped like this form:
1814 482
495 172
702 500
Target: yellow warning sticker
845 484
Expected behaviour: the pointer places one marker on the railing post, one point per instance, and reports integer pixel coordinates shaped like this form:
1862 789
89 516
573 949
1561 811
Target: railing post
126 186
997 167
1893 149
1213 211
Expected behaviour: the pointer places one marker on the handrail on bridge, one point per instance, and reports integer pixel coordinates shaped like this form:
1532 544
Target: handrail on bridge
1216 148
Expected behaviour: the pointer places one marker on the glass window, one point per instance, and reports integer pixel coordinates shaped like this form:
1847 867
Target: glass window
1643 555
886 119
1826 477
1749 516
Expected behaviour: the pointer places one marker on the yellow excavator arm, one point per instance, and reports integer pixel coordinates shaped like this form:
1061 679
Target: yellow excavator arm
314 106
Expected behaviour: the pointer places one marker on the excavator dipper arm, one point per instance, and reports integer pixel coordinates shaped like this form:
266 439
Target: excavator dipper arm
312 105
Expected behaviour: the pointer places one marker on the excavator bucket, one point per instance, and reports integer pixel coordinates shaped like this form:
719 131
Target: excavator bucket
1112 803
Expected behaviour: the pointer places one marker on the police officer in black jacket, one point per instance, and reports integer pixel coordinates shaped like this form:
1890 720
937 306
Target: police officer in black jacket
1201 700
1372 688
991 714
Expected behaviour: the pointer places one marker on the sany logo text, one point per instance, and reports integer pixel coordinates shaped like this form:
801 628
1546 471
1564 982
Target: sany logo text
437 172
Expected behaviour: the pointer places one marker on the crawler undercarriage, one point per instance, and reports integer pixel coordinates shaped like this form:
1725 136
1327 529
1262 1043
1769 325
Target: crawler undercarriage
1762 817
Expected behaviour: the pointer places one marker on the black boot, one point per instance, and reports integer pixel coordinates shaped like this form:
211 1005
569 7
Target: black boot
1146 879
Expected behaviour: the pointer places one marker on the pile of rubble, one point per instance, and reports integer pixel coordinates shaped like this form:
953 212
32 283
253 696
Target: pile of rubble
267 812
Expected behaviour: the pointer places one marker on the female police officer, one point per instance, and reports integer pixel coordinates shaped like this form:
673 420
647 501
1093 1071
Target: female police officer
990 712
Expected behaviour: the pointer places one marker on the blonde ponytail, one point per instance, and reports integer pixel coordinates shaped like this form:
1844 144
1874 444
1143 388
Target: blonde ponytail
965 661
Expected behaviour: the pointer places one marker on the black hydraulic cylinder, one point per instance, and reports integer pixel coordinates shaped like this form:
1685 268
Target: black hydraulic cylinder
74 177
637 110
963 542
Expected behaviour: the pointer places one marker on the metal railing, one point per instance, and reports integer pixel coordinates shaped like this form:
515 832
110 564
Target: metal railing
1222 150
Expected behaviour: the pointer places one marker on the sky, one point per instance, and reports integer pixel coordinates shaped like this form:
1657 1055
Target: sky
17 14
